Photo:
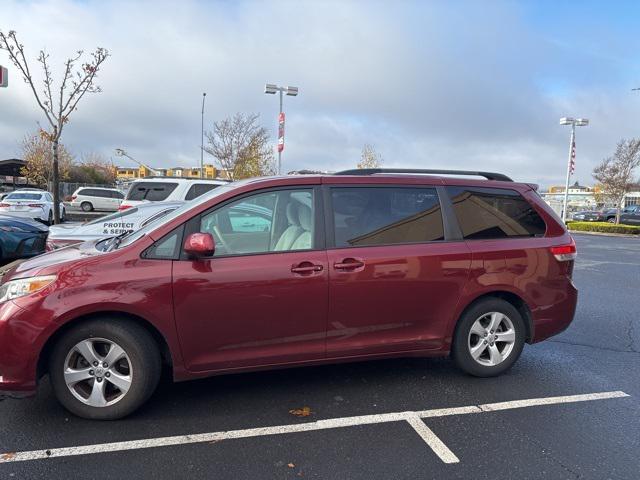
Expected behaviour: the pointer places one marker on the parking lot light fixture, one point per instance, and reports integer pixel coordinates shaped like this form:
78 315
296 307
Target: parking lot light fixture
272 89
574 122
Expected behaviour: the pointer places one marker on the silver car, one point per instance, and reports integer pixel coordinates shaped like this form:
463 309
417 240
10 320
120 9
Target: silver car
117 223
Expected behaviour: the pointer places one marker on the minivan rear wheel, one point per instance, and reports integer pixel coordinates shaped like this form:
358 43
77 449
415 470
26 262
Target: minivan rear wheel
489 338
104 369
86 206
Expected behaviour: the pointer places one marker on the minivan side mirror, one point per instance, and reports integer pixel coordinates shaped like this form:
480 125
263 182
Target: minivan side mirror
199 245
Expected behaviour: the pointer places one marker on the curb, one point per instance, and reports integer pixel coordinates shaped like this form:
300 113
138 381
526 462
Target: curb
602 234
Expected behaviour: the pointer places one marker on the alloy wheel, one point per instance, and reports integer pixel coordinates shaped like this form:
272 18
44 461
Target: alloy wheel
491 339
98 372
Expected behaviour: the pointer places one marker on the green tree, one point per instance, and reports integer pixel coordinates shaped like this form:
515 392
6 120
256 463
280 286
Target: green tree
616 173
241 147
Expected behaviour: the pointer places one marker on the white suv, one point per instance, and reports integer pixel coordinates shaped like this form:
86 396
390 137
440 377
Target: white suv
96 198
156 189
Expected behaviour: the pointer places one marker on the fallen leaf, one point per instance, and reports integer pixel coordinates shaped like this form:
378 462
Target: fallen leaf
290 465
8 456
301 412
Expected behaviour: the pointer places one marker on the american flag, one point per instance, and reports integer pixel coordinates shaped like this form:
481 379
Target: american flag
572 161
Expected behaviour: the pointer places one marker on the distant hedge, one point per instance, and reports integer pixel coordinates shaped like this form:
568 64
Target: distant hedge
603 227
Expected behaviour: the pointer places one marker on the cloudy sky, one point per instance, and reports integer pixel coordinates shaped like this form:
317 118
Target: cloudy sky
431 84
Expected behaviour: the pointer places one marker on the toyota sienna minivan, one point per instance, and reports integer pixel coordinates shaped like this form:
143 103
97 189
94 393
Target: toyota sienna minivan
289 271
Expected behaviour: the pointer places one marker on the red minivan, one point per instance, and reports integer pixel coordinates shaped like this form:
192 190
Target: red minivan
288 271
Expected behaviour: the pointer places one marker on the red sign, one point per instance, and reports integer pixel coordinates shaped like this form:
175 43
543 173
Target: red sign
281 132
4 77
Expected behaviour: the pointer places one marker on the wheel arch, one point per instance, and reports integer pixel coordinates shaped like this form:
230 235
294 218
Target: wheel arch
45 352
518 303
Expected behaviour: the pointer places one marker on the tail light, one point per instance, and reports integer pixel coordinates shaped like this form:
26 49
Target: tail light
73 197
565 253
35 205
4 205
123 207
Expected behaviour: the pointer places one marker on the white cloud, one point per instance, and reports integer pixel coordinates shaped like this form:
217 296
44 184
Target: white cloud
435 85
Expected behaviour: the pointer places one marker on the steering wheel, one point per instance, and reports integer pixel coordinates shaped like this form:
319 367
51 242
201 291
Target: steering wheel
224 243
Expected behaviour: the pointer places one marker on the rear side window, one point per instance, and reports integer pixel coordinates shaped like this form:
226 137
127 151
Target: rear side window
385 216
486 213
115 194
152 191
198 189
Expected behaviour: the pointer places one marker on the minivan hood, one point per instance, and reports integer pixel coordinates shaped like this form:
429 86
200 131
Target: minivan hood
50 262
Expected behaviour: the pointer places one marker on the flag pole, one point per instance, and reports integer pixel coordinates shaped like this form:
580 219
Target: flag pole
566 186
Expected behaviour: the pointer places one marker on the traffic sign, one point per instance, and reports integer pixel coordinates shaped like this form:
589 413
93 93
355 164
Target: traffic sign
4 77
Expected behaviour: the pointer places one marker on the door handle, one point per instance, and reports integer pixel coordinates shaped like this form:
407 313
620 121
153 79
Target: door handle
306 268
349 264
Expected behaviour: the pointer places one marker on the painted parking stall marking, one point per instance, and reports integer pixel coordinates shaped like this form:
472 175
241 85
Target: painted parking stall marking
415 419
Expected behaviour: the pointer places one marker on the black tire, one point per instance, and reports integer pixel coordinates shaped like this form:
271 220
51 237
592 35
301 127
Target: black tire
50 219
460 349
142 352
63 215
86 206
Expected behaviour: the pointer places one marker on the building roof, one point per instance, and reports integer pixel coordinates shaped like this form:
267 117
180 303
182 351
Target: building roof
12 166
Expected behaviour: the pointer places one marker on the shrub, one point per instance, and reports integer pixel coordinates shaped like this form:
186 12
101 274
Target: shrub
603 227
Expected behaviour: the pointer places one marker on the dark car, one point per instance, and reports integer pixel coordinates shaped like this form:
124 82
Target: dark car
588 216
609 214
290 271
21 237
630 215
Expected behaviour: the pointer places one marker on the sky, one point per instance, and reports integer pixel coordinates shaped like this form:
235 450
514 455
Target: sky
476 85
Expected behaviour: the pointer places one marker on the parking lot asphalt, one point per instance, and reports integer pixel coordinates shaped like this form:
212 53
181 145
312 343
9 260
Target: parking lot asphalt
543 437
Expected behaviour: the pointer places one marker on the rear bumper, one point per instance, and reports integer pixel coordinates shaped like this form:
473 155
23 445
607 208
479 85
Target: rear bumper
555 318
33 214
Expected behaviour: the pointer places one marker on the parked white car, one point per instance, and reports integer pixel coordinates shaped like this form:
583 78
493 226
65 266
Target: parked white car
97 198
128 220
154 189
31 203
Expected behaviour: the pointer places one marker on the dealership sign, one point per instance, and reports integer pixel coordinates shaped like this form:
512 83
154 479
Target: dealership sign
281 132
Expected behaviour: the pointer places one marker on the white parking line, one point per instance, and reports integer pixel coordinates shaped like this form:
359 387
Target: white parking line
413 418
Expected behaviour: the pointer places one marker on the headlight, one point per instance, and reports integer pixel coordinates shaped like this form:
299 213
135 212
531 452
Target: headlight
24 286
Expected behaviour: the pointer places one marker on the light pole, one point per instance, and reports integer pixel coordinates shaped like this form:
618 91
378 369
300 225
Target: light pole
574 122
271 89
204 95
121 153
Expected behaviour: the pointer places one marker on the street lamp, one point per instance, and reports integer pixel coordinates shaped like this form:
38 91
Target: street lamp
574 122
272 89
121 153
204 95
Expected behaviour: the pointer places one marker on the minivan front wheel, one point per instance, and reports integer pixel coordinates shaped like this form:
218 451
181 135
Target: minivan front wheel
489 338
104 369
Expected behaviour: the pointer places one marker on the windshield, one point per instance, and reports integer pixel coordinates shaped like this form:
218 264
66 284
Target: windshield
134 236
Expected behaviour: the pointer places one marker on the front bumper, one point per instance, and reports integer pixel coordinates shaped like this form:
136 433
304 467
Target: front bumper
19 351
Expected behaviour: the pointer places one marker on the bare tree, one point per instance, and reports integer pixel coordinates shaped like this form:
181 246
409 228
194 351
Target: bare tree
56 103
38 156
369 158
241 147
615 173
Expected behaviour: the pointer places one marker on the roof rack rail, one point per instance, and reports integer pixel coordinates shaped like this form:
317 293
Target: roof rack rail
370 171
